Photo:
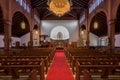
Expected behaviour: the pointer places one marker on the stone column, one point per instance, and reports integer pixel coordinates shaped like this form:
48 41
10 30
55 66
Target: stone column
79 29
31 39
31 28
40 32
7 34
111 34
87 28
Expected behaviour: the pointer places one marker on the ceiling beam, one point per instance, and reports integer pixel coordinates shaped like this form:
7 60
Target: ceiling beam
47 14
37 4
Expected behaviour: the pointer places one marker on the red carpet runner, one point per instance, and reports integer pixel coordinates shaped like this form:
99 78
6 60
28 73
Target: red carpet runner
59 69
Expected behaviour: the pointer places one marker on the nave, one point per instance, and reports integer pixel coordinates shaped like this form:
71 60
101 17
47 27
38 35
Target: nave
32 32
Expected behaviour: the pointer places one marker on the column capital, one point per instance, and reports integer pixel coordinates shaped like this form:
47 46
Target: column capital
112 21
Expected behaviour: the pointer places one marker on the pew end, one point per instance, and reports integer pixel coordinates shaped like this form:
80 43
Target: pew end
86 75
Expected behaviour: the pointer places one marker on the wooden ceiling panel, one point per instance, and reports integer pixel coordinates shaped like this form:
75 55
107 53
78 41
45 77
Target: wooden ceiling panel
76 9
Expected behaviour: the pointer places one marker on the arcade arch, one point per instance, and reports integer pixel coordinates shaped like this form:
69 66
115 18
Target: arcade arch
100 32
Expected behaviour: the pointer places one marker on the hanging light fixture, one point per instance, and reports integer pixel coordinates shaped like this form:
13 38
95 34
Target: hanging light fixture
23 25
95 23
59 7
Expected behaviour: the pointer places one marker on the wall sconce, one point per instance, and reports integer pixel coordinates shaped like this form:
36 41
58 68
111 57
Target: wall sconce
23 25
95 25
36 32
36 29
82 32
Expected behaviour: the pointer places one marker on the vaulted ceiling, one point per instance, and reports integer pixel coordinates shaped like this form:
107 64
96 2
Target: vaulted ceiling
76 9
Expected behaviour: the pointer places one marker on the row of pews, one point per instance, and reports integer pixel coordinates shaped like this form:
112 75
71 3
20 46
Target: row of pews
92 64
30 63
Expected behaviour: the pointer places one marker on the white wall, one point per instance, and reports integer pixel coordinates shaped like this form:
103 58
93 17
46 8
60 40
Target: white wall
93 40
103 41
117 40
74 35
70 25
14 40
25 39
1 41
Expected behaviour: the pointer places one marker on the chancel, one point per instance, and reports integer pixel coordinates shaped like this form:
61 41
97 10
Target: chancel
59 39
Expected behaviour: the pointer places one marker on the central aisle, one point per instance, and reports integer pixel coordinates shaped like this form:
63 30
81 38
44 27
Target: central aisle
59 69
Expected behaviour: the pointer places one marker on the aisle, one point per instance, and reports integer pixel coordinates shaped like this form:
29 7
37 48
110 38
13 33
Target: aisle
59 69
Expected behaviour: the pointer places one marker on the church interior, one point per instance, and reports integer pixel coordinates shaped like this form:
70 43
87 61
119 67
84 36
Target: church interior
59 40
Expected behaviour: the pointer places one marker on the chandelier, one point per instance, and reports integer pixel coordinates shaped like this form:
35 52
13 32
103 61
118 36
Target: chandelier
59 7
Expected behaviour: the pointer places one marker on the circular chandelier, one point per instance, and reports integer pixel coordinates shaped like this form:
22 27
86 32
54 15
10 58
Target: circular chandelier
59 7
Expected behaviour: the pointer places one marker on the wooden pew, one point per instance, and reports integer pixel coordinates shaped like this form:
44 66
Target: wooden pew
24 59
106 69
45 53
74 54
87 57
94 62
33 75
14 69
86 75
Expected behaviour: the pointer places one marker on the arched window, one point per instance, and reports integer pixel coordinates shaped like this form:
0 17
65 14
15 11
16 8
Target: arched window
59 36
59 33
